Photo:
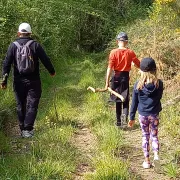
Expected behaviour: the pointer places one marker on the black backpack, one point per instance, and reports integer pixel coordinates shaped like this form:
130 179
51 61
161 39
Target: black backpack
24 58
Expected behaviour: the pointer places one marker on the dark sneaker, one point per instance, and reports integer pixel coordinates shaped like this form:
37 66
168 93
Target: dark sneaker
118 124
27 134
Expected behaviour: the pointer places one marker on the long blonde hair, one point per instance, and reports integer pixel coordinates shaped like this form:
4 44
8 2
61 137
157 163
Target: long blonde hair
148 77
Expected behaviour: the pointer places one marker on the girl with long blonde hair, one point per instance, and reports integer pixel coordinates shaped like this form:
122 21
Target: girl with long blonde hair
146 98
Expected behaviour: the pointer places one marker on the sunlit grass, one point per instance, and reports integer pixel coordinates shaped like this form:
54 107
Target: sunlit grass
170 121
108 167
101 120
172 170
65 103
109 137
7 104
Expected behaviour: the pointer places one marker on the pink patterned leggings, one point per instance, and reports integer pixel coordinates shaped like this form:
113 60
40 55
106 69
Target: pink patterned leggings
149 126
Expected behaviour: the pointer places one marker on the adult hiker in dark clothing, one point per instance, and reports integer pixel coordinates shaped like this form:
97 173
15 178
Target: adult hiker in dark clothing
27 86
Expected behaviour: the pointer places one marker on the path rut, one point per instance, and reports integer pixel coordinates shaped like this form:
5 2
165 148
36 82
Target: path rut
85 142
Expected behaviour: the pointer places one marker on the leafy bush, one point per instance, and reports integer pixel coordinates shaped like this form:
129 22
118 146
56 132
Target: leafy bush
158 36
66 25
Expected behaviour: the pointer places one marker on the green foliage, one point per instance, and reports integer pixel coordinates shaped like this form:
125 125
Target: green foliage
72 25
170 117
108 134
109 168
7 105
66 25
52 156
49 155
172 170
96 114
4 146
158 36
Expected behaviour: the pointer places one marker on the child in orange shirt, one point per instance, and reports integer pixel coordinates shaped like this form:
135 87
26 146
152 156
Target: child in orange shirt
120 60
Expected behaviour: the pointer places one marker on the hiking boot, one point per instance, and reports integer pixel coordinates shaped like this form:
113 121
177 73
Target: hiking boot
27 134
118 123
146 165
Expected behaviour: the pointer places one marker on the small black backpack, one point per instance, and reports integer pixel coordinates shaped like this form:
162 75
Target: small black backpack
24 57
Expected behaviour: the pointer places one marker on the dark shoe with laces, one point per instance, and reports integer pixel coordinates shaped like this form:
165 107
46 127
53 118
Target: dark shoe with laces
118 124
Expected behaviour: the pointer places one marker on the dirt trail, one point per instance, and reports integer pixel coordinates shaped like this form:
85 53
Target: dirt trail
85 142
133 152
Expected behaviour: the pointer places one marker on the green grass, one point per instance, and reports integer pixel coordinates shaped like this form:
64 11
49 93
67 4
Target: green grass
7 104
170 121
108 167
49 155
65 103
100 118
172 170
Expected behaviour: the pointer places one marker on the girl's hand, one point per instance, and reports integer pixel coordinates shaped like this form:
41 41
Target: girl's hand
131 123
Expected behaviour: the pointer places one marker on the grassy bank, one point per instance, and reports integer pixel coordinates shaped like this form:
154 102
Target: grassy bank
49 155
65 103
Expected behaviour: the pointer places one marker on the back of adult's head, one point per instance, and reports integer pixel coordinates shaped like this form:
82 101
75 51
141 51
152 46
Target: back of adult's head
24 28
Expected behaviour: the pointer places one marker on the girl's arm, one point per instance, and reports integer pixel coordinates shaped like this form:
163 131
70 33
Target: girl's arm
161 88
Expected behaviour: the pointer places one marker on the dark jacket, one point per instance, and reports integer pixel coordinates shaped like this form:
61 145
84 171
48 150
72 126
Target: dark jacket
147 100
38 53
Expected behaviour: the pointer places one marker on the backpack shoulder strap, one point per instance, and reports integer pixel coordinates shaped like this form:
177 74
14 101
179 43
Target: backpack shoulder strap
17 44
29 42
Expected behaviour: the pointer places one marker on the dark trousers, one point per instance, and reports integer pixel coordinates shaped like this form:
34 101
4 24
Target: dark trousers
120 84
27 94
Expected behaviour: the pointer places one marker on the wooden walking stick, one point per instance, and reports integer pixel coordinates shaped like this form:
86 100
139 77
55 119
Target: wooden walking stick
103 90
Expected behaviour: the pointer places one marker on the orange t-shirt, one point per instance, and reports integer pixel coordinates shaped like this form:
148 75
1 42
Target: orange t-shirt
121 59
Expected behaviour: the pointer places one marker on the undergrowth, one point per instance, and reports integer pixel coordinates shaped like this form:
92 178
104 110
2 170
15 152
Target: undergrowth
65 102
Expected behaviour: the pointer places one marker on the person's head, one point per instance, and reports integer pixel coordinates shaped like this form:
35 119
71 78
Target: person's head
148 72
24 30
122 39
